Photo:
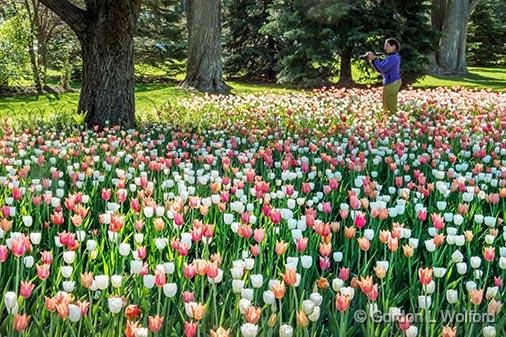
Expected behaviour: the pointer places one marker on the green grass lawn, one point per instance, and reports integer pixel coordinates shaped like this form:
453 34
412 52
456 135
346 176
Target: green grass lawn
150 97
479 78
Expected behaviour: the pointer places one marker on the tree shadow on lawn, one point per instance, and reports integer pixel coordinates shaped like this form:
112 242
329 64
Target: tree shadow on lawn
473 78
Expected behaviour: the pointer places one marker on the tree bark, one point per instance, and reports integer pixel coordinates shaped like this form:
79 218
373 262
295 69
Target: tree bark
107 93
450 17
345 76
204 68
106 33
34 46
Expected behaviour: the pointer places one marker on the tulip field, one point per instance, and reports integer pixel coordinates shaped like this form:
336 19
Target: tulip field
302 214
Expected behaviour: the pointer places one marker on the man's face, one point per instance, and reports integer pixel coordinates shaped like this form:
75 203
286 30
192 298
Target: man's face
388 48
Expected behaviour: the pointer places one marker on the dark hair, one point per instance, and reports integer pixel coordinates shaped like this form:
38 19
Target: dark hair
393 42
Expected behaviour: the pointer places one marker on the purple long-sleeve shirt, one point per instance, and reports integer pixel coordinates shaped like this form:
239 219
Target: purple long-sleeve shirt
389 68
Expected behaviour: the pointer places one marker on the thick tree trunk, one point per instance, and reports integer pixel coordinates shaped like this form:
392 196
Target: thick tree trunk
451 18
204 69
107 93
345 77
106 32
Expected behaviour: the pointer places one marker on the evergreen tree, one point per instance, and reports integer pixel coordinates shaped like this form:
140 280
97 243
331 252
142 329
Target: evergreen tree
250 51
487 34
307 36
161 35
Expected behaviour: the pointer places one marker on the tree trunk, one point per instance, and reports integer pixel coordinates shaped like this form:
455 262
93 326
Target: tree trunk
204 69
107 93
106 33
33 45
37 76
451 18
345 77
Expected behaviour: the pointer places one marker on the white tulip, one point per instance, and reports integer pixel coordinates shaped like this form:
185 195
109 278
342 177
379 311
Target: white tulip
115 304
470 285
91 245
249 330
160 243
149 281
139 237
141 332
462 268
489 239
502 262
169 268
249 263
475 262
306 261
237 285
69 256
268 297
457 256
170 289
28 261
257 280
439 272
292 262
35 238
124 249
102 281
315 315
66 271
74 313
337 284
68 286
316 298
489 331
429 245
492 292
308 307
429 288
247 293
369 234
148 212
116 281
338 256
244 304
27 220
460 240
10 299
285 330
452 296
412 331
348 291
135 267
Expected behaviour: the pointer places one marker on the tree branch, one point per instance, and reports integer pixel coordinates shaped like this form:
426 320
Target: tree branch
74 16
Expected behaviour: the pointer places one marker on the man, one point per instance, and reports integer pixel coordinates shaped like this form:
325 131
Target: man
390 70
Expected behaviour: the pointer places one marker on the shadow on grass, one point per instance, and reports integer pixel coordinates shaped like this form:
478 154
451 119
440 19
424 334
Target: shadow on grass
473 79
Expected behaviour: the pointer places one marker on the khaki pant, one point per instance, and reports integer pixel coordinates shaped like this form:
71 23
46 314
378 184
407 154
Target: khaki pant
390 92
